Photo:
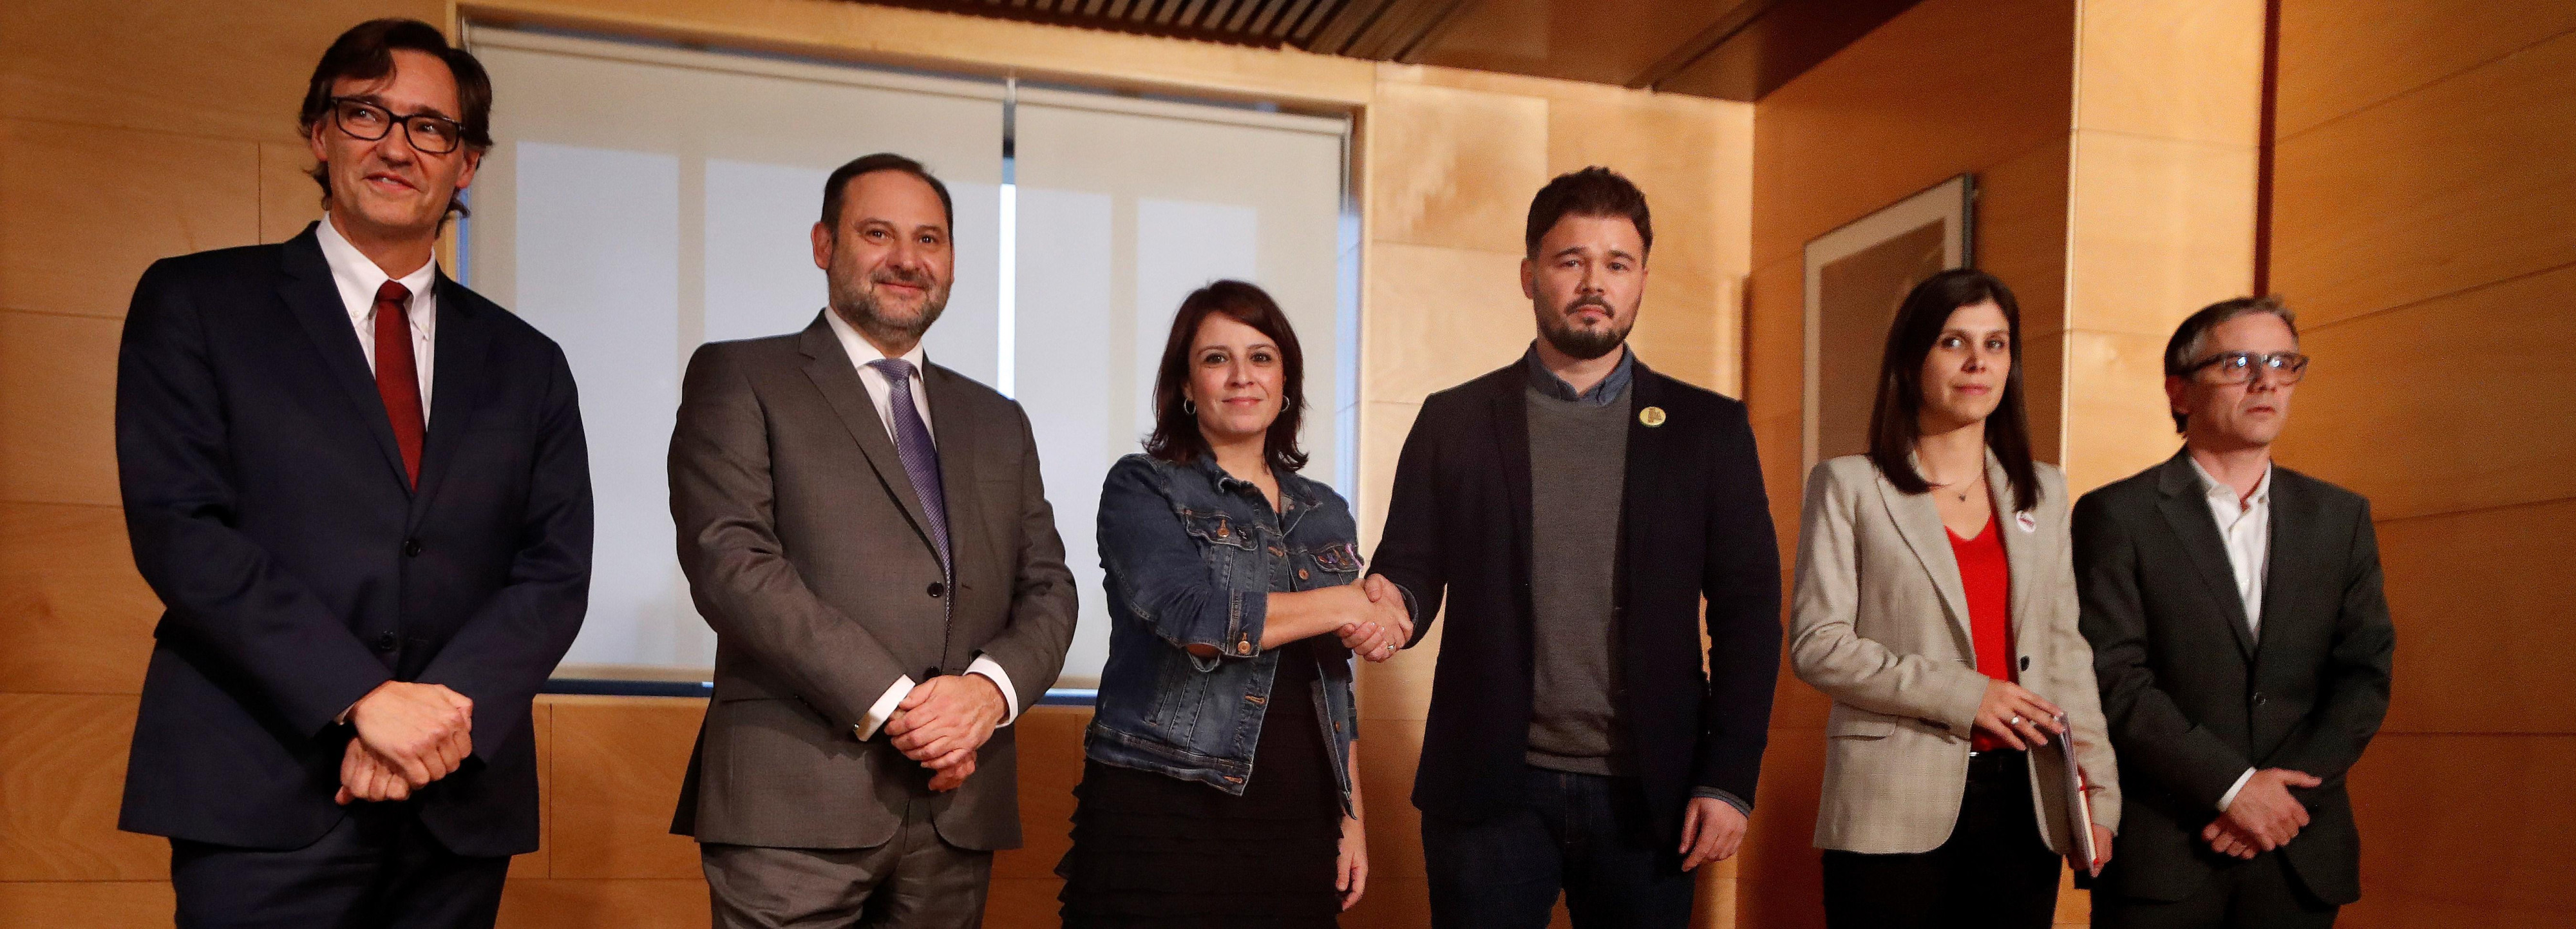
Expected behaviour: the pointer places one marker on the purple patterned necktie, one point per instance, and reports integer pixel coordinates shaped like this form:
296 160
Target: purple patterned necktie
912 444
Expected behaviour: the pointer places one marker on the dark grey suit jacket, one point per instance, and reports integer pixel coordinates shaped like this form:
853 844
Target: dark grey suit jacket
807 550
2194 698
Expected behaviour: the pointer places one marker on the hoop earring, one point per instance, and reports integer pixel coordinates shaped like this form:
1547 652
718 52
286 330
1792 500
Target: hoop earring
1189 406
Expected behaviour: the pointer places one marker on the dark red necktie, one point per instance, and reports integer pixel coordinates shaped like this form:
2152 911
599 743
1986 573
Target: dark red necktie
398 374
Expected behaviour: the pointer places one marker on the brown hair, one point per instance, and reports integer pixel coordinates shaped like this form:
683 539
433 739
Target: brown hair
2183 350
366 53
1593 191
1895 422
1176 434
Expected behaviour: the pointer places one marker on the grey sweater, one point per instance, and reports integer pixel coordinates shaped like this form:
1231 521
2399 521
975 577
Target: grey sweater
1578 478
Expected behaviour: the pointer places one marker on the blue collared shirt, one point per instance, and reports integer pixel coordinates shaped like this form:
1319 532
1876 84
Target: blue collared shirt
1605 393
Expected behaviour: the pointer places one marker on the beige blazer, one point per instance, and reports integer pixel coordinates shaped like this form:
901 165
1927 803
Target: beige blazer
1879 622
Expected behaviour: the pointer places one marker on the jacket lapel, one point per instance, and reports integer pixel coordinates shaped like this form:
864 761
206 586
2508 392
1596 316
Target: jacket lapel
1919 521
455 386
1647 456
2294 524
2022 550
2186 510
1508 405
315 301
837 378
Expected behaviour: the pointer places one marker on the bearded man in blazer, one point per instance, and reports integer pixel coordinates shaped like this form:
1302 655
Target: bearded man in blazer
1573 509
361 492
2243 647
869 538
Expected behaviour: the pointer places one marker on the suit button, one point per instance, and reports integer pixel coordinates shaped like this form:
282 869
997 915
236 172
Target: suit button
938 589
411 548
385 642
2025 662
2259 699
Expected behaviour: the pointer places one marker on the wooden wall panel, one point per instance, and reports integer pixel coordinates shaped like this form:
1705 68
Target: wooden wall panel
2455 185
288 198
1945 87
2453 404
2511 638
57 408
92 904
2181 70
595 904
616 768
74 615
2342 56
2485 851
62 777
1439 317
1051 763
2160 228
164 66
84 210
1469 163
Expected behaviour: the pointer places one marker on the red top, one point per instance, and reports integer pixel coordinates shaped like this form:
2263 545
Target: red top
1987 579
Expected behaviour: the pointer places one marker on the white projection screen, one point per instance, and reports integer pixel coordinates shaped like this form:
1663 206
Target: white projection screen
1125 206
645 199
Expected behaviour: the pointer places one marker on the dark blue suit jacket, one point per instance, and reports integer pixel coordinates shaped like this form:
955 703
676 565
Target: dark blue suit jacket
267 506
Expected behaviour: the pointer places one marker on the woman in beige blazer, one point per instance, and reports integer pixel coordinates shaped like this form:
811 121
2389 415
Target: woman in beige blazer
1944 800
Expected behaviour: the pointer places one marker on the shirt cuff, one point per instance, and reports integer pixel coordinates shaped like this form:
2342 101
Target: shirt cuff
992 670
884 708
2230 796
1732 800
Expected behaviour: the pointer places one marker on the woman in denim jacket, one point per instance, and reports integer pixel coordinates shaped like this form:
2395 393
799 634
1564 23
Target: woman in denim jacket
1234 621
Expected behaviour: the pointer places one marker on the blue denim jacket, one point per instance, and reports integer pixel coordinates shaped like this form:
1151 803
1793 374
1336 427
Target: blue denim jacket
1192 555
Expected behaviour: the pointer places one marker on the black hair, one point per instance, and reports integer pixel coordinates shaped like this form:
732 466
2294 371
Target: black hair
838 185
1895 421
1176 435
1593 191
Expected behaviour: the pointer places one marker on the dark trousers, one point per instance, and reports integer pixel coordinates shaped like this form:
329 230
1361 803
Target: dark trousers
2260 893
1994 871
915 880
378 868
1586 835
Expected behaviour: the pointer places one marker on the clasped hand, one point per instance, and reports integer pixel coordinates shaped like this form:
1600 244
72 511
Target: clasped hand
408 736
943 721
2263 816
1383 627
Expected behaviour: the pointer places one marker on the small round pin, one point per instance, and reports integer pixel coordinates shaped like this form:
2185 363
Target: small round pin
1652 416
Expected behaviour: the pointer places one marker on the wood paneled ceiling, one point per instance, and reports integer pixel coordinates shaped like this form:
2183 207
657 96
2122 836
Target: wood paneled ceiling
1730 49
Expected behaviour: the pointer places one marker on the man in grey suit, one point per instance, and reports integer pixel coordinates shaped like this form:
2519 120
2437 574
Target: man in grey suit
2243 647
869 538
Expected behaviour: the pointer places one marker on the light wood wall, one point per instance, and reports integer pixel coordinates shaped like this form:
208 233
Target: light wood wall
1947 87
133 131
2424 227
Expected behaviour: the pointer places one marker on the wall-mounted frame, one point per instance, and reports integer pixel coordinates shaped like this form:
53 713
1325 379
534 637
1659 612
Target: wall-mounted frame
1856 276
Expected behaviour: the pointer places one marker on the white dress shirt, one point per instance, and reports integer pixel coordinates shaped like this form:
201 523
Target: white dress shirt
358 278
2245 525
881 393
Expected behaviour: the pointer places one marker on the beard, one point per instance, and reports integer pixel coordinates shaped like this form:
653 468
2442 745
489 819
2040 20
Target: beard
1560 331
857 302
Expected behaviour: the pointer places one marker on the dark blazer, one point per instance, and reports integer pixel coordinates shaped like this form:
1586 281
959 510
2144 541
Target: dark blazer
1695 523
2193 698
267 506
807 550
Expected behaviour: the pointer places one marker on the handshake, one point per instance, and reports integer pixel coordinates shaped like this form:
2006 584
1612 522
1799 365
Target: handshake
408 735
1378 626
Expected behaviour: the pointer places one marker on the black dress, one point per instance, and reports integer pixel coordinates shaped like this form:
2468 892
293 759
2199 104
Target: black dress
1161 852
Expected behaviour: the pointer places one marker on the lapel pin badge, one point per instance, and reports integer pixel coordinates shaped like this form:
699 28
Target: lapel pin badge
1652 416
2028 522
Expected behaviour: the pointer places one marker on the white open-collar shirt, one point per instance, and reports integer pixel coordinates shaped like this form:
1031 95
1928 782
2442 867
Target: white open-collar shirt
881 394
2245 525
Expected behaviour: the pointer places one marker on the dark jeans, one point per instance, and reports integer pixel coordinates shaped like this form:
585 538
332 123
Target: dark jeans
1992 872
378 868
1583 834
2256 894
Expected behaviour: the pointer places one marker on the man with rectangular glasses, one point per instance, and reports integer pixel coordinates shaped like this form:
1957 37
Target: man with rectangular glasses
362 493
2242 644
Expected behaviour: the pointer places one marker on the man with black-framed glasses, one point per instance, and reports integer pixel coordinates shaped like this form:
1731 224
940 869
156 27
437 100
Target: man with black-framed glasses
2242 644
362 494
